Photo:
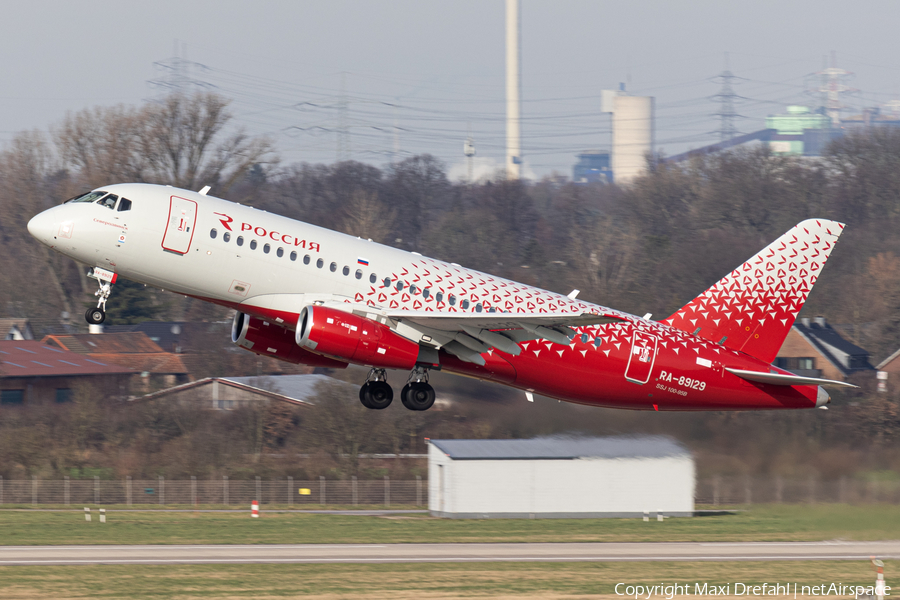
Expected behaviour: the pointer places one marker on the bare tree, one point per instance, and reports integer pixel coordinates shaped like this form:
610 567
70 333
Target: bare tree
104 144
366 217
184 143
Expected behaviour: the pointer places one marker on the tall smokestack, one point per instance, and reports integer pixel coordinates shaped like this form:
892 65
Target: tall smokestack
513 143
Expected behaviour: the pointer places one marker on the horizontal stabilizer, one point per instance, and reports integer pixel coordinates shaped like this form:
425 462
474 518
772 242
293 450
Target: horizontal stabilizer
783 379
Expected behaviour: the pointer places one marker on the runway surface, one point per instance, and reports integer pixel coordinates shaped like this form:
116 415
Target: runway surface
405 553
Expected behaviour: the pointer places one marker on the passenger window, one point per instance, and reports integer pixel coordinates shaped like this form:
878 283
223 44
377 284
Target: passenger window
226 237
266 248
412 289
306 260
110 201
465 304
584 338
213 233
492 310
253 244
359 273
597 342
240 240
279 252
439 296
387 282
293 256
452 300
124 204
425 293
478 307
333 267
319 263
373 278
399 286
346 271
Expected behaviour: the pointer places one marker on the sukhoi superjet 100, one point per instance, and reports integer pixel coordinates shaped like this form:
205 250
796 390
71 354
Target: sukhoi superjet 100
313 296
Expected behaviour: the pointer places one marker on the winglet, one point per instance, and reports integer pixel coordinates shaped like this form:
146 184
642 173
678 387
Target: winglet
205 190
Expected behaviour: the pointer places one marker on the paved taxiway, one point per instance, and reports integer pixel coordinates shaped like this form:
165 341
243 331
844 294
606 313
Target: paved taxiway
385 553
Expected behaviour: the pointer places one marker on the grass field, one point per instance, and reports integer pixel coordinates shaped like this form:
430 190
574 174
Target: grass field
760 523
401 582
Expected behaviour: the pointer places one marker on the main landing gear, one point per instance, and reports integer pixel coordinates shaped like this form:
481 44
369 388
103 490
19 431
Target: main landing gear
377 394
417 394
96 316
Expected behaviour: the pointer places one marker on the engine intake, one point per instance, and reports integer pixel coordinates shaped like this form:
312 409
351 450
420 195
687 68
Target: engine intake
355 339
268 339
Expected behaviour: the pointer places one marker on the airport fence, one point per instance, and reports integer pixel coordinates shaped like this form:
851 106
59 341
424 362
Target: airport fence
231 492
725 491
713 491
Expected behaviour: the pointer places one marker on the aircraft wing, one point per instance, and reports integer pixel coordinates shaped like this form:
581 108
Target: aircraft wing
455 321
468 335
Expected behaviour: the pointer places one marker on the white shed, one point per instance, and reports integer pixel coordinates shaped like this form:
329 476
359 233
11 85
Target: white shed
560 477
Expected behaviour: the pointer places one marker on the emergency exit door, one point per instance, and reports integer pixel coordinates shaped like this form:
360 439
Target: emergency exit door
180 227
641 358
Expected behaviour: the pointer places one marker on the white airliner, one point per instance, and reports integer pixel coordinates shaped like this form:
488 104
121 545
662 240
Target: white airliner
308 295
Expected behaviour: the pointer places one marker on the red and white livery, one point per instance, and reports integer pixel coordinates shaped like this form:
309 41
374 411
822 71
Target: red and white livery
310 295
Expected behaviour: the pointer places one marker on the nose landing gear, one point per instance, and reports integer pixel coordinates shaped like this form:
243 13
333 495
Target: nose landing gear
96 316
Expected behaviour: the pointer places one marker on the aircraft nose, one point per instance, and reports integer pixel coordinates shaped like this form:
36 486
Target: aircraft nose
41 227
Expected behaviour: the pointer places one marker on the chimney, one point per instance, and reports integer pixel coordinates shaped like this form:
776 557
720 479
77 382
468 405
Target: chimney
820 321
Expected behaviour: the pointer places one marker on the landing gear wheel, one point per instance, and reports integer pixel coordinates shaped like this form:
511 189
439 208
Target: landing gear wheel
364 395
418 395
379 394
95 316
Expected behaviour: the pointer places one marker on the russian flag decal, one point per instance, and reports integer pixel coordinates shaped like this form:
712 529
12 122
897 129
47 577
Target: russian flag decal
362 261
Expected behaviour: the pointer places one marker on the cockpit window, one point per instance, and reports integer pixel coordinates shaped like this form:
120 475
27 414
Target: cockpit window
109 201
124 204
89 197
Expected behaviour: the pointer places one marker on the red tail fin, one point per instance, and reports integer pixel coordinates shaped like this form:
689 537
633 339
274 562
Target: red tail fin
753 308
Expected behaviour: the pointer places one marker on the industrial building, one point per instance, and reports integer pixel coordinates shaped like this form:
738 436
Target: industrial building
632 135
633 139
593 166
560 477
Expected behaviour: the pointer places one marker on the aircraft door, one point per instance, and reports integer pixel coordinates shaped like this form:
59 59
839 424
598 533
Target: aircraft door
641 358
180 227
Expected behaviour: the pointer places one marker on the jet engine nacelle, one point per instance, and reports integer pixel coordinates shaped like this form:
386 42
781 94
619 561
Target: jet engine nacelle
355 339
268 339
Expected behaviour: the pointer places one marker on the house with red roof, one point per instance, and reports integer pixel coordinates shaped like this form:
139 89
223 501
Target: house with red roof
132 350
35 373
